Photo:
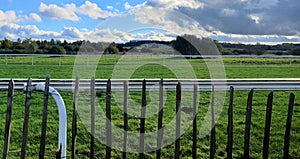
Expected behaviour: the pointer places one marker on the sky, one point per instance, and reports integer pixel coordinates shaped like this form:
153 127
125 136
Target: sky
238 21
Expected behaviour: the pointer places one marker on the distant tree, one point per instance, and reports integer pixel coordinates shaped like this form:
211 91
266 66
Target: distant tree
219 46
6 44
19 46
69 48
19 41
26 42
52 42
57 50
38 42
183 44
111 49
146 50
32 48
191 45
58 42
65 43
295 52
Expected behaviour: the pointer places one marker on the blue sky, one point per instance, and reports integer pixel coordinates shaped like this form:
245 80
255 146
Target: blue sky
246 21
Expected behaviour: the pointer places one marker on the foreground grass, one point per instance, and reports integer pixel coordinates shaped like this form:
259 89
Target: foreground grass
83 137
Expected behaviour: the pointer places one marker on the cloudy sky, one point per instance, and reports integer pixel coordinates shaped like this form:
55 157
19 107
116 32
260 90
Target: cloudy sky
246 21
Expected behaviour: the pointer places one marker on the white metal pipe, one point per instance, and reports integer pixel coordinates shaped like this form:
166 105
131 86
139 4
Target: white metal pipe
62 136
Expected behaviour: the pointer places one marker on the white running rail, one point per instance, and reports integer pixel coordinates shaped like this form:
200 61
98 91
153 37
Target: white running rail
136 84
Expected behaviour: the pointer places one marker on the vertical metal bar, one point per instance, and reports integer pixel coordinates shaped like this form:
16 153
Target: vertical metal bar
178 119
8 118
93 96
74 119
247 125
142 121
160 120
213 129
195 110
58 154
125 116
288 127
108 119
62 136
26 118
268 126
230 125
44 120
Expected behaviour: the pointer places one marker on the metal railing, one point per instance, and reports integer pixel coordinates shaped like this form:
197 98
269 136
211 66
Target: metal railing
170 84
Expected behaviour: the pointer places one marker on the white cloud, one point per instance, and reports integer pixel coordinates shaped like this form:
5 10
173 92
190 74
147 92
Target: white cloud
255 18
7 17
153 35
71 33
56 12
110 7
93 11
10 17
70 11
228 12
232 20
127 6
169 20
261 4
108 35
14 31
171 4
36 17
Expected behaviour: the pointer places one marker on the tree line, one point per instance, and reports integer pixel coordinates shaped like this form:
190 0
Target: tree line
185 44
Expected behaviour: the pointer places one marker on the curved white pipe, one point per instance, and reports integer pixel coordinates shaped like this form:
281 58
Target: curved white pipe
62 136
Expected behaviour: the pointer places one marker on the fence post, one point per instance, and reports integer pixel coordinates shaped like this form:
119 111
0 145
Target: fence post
213 130
125 116
74 119
160 119
247 125
93 95
178 118
8 118
288 127
143 120
26 118
44 120
195 110
268 126
108 119
58 154
230 124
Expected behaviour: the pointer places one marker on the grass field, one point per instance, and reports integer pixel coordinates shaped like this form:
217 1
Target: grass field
62 67
235 68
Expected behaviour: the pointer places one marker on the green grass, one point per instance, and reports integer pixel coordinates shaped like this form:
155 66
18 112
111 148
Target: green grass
62 67
83 137
20 67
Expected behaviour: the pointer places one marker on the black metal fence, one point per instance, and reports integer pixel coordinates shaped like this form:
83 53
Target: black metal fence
142 120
